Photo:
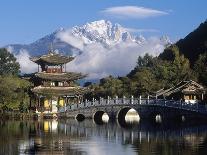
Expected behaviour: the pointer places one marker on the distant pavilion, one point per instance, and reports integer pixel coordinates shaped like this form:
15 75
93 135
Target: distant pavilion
188 91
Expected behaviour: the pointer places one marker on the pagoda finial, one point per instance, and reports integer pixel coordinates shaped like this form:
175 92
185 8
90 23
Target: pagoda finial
50 51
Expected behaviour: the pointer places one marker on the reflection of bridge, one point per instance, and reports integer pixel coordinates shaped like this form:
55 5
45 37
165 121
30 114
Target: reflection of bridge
146 108
136 133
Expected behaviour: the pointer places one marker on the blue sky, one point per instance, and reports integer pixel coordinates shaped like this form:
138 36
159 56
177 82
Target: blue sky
25 21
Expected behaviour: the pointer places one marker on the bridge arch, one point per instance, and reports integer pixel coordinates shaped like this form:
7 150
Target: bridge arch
122 115
98 117
80 117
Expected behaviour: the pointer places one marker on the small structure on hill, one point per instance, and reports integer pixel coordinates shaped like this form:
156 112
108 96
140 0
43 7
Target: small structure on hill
188 91
53 86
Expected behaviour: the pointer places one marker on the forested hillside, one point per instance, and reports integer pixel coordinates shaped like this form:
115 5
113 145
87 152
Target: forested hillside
194 44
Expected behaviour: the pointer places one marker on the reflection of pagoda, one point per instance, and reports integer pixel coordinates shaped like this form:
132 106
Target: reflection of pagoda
54 87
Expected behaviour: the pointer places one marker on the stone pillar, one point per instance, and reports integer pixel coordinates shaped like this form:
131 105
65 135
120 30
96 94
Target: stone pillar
147 99
108 100
93 100
100 100
132 99
140 99
123 100
85 103
116 99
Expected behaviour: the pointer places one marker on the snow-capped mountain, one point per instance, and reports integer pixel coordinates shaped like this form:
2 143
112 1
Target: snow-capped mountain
108 34
101 49
102 31
42 45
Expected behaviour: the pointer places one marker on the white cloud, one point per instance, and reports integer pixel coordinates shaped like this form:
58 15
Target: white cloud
99 61
132 12
96 60
26 65
140 30
67 35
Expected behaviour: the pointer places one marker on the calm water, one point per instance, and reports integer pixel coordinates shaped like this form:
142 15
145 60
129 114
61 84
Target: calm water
87 138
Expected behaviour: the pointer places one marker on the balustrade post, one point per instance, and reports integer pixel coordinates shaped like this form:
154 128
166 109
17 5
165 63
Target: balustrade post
116 99
99 100
155 101
147 99
108 100
132 99
85 103
123 100
140 99
92 103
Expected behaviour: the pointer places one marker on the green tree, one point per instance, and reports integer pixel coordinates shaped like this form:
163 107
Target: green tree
147 61
13 92
8 64
111 86
178 68
200 68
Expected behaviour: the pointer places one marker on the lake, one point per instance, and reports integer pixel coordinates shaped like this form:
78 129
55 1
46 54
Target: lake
70 137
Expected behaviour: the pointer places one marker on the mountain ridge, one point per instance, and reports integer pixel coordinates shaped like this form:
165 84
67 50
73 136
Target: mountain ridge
195 43
102 31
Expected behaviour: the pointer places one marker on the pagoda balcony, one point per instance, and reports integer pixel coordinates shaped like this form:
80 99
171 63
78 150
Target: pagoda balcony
54 70
60 91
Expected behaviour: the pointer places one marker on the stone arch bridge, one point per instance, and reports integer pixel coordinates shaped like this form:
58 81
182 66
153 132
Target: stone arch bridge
146 109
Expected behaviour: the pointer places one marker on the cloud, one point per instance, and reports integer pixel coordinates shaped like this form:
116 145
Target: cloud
140 30
71 39
26 65
98 61
132 12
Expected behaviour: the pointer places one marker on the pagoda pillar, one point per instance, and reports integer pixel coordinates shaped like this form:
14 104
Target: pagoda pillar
65 67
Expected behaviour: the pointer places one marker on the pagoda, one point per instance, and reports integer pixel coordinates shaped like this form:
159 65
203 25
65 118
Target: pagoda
53 86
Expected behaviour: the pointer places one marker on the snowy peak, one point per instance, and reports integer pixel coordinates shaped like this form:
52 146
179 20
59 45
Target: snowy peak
140 39
70 41
108 34
101 31
165 39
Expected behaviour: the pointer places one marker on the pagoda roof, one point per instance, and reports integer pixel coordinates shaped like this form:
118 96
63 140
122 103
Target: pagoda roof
52 58
68 76
60 91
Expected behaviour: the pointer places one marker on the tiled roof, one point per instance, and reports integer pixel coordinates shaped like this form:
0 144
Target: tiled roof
52 58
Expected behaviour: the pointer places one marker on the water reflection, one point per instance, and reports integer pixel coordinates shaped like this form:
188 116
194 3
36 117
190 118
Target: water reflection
105 118
158 118
132 116
88 138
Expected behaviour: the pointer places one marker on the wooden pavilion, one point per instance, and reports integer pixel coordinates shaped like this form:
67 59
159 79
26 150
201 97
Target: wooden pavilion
53 86
188 91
